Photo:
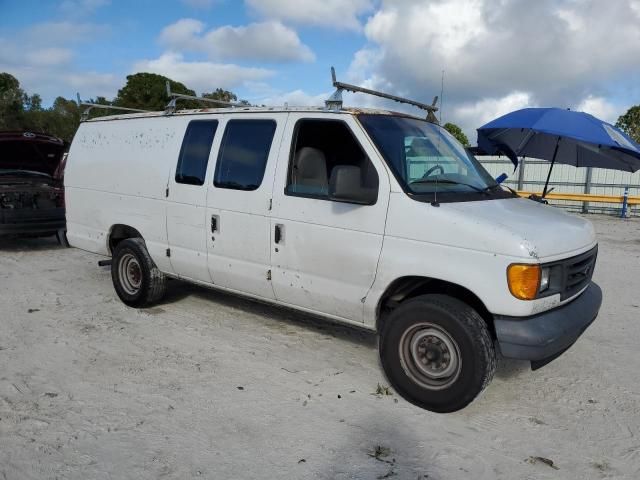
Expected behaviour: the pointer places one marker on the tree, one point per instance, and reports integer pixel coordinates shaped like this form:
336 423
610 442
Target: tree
11 102
33 103
99 112
220 94
457 132
100 101
629 123
148 91
66 117
225 96
61 120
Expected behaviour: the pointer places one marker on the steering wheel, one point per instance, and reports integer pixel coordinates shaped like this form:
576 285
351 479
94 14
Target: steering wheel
433 169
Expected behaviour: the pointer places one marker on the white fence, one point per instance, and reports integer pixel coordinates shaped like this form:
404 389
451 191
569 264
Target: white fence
531 175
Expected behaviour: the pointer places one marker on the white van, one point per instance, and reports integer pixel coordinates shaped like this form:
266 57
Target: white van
372 218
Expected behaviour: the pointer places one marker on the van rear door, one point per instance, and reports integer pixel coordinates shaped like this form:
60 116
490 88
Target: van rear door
239 201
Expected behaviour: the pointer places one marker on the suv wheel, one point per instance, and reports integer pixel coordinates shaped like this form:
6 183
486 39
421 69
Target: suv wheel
437 352
61 236
136 279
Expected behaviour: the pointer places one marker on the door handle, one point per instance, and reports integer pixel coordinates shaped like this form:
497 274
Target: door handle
215 223
277 234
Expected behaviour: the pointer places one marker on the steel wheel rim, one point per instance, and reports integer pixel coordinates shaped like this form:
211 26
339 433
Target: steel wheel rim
430 356
130 273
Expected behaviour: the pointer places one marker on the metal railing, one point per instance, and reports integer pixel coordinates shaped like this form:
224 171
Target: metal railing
531 174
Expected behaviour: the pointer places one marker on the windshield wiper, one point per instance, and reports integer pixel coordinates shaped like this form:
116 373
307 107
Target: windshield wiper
454 182
510 189
499 187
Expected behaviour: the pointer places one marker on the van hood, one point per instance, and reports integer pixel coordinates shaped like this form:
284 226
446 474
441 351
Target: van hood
544 232
516 227
31 152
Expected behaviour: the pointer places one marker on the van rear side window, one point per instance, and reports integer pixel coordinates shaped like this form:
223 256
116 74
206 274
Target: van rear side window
244 153
194 154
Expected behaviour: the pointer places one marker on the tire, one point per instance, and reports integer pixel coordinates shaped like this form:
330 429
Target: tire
136 279
437 353
61 236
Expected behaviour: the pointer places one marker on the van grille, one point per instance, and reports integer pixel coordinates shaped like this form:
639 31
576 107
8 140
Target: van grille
577 272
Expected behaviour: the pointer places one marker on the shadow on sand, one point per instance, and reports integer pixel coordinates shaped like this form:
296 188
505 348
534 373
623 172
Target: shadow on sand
178 290
25 244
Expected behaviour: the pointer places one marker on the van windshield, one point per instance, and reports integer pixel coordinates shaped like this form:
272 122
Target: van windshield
426 159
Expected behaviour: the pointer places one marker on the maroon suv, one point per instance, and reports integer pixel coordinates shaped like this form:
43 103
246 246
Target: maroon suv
31 187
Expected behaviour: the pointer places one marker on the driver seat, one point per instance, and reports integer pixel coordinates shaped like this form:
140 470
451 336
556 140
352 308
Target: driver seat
422 147
309 174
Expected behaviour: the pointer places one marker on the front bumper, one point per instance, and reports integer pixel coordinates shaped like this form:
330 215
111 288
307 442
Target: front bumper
36 222
543 337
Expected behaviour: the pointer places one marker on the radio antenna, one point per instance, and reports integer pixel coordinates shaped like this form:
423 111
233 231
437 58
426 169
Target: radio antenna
435 195
441 96
435 202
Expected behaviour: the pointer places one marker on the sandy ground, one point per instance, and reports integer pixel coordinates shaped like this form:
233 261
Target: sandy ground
210 386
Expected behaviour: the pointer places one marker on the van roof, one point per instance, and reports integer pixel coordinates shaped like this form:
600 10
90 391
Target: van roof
286 109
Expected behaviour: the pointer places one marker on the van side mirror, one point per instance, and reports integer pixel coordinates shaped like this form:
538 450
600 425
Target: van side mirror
345 185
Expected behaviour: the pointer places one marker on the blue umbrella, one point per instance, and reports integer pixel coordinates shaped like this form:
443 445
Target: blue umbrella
561 136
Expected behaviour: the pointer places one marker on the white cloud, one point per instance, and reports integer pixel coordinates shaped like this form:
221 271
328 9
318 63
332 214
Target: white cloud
50 82
41 58
49 56
61 33
183 34
201 76
473 115
261 41
295 98
601 108
365 62
548 52
94 84
327 13
574 21
264 41
445 28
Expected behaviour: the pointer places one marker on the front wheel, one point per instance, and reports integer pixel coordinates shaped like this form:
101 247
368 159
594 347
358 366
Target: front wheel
437 352
136 279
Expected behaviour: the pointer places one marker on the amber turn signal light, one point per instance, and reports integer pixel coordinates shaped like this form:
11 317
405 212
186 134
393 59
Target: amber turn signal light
524 280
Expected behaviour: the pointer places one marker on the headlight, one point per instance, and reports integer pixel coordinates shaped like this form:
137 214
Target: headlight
544 279
524 280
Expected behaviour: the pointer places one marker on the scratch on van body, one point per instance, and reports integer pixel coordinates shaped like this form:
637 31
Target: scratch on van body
531 249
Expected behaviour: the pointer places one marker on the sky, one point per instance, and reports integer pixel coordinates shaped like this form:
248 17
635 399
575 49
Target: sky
496 56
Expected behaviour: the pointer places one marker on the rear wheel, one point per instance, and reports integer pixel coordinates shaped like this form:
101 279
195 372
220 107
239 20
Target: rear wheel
136 279
437 352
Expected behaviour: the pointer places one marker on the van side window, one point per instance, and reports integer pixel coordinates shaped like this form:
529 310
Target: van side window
319 146
195 150
243 154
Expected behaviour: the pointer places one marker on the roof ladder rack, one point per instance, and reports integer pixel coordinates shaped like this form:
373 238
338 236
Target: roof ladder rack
334 102
171 106
85 115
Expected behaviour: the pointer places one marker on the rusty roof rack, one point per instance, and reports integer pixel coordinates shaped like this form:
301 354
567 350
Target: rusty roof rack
171 106
85 114
334 102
